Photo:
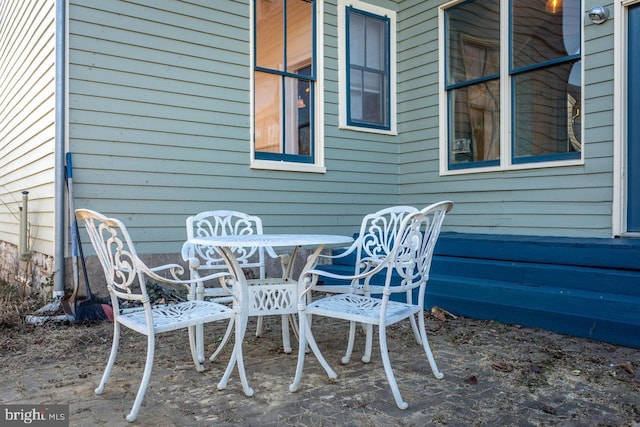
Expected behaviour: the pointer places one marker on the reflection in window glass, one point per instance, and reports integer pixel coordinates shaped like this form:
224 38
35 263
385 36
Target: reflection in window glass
283 99
547 87
547 105
473 70
269 36
268 113
473 23
544 113
540 35
299 34
475 124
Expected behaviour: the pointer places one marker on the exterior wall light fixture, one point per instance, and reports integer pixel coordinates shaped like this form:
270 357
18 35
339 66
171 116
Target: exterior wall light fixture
598 14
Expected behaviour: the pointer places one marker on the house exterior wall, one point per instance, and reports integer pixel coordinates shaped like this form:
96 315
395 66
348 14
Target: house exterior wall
27 131
159 126
553 201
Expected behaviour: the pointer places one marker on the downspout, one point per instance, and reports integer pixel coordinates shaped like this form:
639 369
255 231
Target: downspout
59 150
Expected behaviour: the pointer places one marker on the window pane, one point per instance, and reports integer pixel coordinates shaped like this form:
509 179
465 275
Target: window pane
298 99
299 33
268 113
474 125
473 41
548 116
270 34
304 119
373 103
542 34
376 46
283 103
356 39
355 94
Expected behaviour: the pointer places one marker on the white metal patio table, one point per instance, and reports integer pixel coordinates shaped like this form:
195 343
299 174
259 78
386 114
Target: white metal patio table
274 296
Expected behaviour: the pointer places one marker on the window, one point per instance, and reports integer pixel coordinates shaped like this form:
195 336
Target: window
367 67
284 81
512 87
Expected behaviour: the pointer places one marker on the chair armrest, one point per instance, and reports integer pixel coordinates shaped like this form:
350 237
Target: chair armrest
348 251
175 270
187 251
285 259
310 278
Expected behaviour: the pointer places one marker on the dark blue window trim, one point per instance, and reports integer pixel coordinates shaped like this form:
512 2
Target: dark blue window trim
312 79
386 76
473 165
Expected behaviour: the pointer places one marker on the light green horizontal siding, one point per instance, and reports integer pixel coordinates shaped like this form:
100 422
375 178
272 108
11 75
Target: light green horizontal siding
159 125
568 201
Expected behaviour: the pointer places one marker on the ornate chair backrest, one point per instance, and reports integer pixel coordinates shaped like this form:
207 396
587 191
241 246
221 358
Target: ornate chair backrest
224 223
412 251
123 270
378 232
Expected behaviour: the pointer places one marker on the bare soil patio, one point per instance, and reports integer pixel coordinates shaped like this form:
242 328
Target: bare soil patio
495 374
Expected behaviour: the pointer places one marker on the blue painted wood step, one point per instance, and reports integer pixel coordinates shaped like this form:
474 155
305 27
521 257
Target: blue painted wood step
583 287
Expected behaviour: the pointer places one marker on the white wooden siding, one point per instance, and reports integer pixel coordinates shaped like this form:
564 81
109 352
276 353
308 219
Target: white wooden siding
27 130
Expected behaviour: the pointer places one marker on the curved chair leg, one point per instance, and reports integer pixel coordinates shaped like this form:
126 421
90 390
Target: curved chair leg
223 342
302 345
352 338
306 337
112 358
412 319
196 337
148 366
427 348
416 331
366 358
384 352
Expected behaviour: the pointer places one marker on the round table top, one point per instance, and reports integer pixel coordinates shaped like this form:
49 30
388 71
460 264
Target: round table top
273 240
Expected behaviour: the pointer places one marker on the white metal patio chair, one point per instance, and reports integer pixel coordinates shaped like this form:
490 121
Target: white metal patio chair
375 241
207 259
410 260
126 277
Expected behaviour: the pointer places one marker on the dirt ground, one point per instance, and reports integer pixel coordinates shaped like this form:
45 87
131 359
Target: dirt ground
495 374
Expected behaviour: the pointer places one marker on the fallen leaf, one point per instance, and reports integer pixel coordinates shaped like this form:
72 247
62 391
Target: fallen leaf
548 409
628 367
472 380
441 314
502 367
438 313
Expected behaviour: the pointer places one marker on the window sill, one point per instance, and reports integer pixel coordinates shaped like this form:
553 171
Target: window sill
513 167
392 131
287 166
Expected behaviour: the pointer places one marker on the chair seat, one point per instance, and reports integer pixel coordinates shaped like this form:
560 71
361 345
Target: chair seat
170 317
360 308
